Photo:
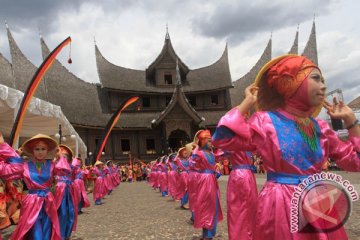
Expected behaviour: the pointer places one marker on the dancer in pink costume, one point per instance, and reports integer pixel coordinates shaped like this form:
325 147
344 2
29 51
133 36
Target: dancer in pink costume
11 164
207 208
114 173
38 215
163 177
289 91
193 177
241 194
66 197
99 186
109 185
182 163
156 174
79 175
173 176
151 175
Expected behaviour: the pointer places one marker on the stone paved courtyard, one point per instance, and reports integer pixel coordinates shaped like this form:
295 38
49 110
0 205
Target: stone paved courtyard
135 211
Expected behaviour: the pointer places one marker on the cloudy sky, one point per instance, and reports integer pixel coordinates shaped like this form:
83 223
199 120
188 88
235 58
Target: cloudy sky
131 33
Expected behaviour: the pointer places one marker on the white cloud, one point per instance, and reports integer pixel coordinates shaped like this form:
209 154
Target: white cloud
339 58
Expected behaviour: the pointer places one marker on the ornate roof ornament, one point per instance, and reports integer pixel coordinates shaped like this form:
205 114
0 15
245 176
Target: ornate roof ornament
310 50
167 35
295 47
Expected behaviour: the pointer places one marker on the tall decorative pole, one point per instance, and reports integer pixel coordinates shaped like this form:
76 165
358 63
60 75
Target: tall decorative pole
131 164
110 125
59 134
73 136
31 89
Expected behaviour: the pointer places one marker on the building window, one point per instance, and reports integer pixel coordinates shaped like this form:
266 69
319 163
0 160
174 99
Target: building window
192 100
125 146
146 102
168 78
167 100
107 147
150 146
97 140
214 100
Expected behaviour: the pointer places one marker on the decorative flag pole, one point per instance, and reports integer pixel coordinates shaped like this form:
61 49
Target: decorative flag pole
31 90
110 125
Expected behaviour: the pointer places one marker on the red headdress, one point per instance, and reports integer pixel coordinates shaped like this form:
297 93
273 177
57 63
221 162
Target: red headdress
287 75
67 149
202 136
279 80
182 151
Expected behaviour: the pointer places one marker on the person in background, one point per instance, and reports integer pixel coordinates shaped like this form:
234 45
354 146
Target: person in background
79 174
182 162
99 185
207 209
65 196
163 177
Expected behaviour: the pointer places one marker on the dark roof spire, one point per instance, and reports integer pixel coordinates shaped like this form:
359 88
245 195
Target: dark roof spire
295 47
178 76
310 50
23 68
45 52
40 36
167 36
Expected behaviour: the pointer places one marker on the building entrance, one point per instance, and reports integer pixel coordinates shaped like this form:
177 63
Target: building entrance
177 139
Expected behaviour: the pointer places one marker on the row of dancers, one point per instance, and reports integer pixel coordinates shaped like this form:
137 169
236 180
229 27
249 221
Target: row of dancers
294 144
56 190
190 176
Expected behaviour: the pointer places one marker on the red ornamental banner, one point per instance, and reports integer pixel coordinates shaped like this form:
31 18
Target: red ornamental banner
30 91
112 122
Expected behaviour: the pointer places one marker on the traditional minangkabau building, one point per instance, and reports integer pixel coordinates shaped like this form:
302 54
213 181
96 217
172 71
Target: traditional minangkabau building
175 101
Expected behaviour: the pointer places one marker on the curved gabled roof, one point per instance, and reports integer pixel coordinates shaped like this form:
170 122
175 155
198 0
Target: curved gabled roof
212 117
168 50
178 98
212 77
80 100
310 50
355 104
215 76
116 77
237 93
6 75
23 69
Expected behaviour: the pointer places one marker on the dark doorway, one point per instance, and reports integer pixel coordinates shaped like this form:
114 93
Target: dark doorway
177 139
